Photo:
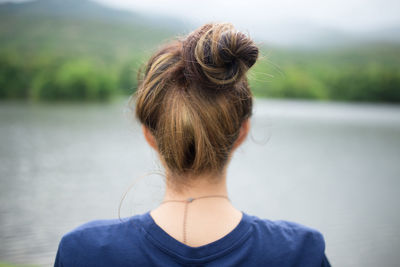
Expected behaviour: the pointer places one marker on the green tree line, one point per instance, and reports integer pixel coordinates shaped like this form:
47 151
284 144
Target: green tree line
81 78
366 74
327 75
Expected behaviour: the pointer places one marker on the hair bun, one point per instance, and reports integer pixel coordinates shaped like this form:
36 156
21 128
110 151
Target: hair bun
217 55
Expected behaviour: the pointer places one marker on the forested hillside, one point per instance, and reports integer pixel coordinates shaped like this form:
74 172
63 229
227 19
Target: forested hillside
80 50
73 49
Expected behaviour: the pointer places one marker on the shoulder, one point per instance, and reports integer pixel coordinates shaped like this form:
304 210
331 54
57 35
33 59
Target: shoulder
96 238
94 228
97 231
288 231
289 239
89 235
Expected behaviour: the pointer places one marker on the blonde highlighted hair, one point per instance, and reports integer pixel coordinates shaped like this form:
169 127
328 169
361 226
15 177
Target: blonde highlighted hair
194 96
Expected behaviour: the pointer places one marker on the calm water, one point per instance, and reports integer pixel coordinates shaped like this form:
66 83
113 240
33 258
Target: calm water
334 167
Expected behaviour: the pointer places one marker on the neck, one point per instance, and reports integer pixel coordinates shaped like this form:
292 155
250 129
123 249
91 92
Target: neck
206 220
198 186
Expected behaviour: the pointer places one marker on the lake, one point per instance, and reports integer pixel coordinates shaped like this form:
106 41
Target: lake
331 166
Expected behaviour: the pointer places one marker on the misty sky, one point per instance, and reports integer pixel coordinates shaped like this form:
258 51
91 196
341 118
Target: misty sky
281 21
350 15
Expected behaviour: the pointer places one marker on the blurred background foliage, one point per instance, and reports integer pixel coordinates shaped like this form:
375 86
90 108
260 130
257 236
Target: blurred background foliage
353 73
80 50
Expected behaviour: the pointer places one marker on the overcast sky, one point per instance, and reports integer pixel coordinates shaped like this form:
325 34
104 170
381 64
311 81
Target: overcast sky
280 21
359 15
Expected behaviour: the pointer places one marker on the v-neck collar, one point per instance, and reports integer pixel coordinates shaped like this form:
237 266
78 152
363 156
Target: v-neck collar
163 241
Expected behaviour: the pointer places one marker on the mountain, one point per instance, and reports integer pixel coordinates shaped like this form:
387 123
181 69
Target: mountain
80 27
81 50
75 49
85 10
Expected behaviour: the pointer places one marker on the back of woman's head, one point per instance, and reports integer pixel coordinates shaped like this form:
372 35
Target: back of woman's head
194 97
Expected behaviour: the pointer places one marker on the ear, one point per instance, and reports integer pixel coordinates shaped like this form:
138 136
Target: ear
244 130
149 137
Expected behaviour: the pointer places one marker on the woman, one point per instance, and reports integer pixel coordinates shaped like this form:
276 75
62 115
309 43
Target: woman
194 104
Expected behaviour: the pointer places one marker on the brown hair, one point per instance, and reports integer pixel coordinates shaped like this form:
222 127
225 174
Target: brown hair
194 97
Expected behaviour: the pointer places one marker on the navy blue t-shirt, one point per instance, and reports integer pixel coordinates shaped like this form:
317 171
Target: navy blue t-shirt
139 241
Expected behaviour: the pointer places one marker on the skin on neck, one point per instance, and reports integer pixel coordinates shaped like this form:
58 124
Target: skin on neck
198 186
208 219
